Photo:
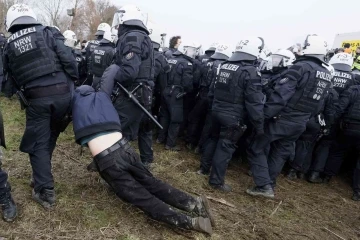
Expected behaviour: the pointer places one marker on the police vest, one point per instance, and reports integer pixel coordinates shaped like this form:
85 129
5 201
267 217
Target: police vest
146 70
310 98
98 59
356 64
161 78
211 72
177 64
229 85
342 80
29 55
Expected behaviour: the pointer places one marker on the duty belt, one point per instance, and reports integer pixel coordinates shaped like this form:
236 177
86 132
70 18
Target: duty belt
122 143
39 92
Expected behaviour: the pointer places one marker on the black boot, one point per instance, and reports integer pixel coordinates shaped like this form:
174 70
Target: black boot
326 179
173 149
356 196
8 205
224 187
314 177
190 146
264 191
46 197
201 224
292 174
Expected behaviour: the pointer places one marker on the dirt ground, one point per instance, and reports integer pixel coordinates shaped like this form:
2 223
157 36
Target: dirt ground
86 210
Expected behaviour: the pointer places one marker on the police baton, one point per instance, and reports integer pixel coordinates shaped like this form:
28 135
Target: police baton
134 99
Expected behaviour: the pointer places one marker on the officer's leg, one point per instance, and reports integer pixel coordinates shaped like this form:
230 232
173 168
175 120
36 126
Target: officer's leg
145 141
177 117
356 176
336 155
164 121
206 131
230 133
196 117
285 133
118 171
209 148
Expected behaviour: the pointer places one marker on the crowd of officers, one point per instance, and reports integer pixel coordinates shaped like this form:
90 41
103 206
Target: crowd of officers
299 107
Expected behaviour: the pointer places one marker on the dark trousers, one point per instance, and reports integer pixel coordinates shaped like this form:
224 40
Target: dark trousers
225 133
145 140
188 104
43 117
337 154
133 183
281 135
196 120
171 116
304 147
206 131
3 174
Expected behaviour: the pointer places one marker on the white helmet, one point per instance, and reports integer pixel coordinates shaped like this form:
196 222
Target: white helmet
281 59
56 28
129 15
19 14
315 45
222 52
248 49
107 36
212 47
342 62
70 38
102 28
154 33
189 49
265 53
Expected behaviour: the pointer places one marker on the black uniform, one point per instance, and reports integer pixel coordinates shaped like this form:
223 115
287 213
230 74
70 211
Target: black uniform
42 66
237 96
349 110
81 65
135 56
180 82
2 43
100 59
88 51
295 99
162 68
198 115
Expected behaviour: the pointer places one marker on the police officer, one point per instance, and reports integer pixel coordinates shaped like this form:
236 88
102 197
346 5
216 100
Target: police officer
274 68
135 56
8 207
342 80
174 44
208 53
198 115
42 68
72 42
90 47
237 96
349 137
296 98
102 57
179 83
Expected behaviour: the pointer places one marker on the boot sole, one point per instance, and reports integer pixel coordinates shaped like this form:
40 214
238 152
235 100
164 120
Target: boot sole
205 226
10 219
208 211
259 194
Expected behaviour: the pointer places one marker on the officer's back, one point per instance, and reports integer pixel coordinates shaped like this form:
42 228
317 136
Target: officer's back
343 77
180 74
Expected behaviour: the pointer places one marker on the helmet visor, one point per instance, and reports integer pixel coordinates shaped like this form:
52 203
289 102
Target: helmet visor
277 61
190 51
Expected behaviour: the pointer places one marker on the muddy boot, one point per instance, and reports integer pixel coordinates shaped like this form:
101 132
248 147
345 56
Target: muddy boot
46 197
300 175
264 191
201 224
92 167
292 174
314 177
173 149
356 196
224 188
8 206
202 209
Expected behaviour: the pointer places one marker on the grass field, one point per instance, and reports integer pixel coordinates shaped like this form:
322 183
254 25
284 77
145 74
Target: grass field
86 210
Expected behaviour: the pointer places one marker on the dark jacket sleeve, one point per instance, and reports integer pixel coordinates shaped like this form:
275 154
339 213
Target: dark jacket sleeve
131 57
283 91
345 99
331 103
254 102
64 54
